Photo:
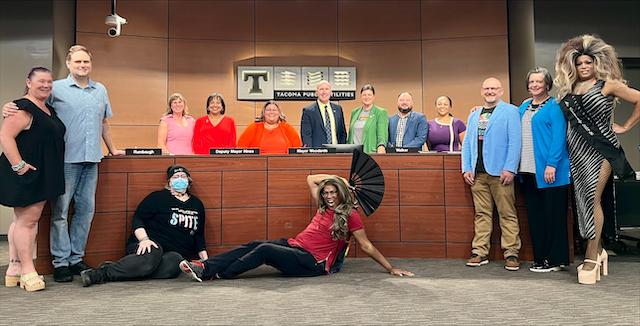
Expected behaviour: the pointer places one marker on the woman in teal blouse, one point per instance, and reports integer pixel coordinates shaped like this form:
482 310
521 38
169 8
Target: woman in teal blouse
369 123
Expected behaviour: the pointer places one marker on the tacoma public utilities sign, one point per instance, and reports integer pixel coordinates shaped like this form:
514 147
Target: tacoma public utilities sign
294 83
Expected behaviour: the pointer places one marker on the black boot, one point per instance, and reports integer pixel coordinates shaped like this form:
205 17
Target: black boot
93 276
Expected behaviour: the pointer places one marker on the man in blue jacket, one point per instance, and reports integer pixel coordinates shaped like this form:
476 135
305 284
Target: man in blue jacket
490 158
323 121
407 129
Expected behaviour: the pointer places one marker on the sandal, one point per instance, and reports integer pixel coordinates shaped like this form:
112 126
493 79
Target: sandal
11 280
31 282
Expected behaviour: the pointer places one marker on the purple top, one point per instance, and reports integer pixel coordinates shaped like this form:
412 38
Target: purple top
440 135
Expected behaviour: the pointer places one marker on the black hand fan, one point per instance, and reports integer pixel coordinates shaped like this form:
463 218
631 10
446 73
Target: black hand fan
367 181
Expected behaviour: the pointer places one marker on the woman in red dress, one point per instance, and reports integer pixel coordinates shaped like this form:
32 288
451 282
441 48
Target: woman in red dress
214 130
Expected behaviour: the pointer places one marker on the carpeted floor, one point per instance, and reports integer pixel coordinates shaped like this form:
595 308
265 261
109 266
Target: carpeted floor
442 292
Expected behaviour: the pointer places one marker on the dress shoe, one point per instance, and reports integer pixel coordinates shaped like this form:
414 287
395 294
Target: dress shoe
62 274
78 267
588 277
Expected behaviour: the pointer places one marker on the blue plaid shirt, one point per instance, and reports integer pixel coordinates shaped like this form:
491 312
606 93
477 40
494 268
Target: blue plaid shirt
82 111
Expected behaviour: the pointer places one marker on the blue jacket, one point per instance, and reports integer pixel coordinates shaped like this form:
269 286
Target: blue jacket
502 141
549 132
415 132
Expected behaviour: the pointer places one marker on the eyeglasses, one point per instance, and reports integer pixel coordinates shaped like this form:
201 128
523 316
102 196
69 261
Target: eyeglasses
327 193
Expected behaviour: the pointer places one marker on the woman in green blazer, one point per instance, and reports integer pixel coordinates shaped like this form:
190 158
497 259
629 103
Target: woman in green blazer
369 123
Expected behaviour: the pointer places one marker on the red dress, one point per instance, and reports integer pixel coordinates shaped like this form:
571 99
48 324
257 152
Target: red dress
206 135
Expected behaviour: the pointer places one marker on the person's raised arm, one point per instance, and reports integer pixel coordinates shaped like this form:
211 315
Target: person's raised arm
370 249
619 89
313 181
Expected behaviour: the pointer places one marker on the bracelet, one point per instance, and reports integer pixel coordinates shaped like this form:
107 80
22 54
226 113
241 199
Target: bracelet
18 166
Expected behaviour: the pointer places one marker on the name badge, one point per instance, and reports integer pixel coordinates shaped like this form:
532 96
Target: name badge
143 151
403 150
311 150
234 151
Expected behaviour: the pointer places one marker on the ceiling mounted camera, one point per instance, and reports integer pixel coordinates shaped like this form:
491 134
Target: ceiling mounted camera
115 21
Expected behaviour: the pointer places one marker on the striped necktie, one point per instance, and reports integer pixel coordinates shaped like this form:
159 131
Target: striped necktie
327 125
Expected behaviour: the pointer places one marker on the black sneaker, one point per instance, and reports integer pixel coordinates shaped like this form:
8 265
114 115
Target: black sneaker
79 267
62 274
92 276
536 267
193 268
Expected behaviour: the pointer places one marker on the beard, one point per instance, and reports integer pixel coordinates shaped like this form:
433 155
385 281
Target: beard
405 111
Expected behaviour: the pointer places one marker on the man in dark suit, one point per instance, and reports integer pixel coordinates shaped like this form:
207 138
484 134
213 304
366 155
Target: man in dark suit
407 129
323 121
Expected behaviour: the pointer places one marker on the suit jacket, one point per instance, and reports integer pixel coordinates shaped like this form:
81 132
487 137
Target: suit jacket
312 126
415 132
502 141
376 128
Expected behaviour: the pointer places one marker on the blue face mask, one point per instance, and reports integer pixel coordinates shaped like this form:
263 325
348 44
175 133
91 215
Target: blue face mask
179 184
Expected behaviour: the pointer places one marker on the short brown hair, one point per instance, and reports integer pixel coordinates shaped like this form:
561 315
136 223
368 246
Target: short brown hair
77 48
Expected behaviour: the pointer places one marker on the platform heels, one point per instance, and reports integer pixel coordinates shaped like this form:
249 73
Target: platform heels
603 261
588 277
11 280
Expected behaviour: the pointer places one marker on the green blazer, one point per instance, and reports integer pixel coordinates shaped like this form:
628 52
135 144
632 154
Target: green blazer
376 128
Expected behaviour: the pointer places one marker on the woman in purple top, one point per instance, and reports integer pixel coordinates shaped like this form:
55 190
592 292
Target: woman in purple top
445 132
176 127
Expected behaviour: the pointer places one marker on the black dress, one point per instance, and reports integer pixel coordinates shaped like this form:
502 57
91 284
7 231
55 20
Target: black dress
42 146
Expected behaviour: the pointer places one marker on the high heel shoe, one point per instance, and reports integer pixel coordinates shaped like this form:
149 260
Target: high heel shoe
603 260
11 281
31 282
588 277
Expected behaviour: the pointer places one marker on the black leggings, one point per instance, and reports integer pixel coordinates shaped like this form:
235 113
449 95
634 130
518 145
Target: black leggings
291 261
155 264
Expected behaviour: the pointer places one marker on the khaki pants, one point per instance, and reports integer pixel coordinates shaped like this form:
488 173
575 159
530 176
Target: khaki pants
485 191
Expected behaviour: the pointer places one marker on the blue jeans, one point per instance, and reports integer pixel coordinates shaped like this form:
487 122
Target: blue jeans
67 242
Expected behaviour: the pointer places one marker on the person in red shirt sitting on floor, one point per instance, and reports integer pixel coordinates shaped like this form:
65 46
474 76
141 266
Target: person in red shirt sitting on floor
318 250
271 133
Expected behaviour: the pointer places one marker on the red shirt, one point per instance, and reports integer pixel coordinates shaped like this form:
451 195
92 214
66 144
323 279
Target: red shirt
206 135
316 238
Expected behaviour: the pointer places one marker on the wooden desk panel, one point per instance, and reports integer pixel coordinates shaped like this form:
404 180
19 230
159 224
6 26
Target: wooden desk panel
427 210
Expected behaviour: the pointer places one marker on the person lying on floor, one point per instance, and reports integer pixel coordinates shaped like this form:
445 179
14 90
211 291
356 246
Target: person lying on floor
168 226
318 250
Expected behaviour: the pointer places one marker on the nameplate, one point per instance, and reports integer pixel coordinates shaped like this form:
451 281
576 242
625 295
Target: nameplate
143 151
311 150
234 151
399 150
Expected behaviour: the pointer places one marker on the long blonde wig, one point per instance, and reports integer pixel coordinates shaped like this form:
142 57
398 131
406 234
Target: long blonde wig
605 61
340 227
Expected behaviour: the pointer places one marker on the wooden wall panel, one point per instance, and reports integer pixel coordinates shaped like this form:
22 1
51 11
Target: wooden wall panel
240 225
128 164
141 184
230 20
213 227
296 21
147 18
460 224
206 163
287 188
408 249
244 189
327 162
208 187
287 222
109 226
391 66
127 136
378 21
391 184
111 196
409 161
466 18
457 192
383 225
133 69
420 223
448 71
421 187
198 68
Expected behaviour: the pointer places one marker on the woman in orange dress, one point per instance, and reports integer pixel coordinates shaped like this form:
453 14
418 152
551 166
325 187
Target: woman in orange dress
271 133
